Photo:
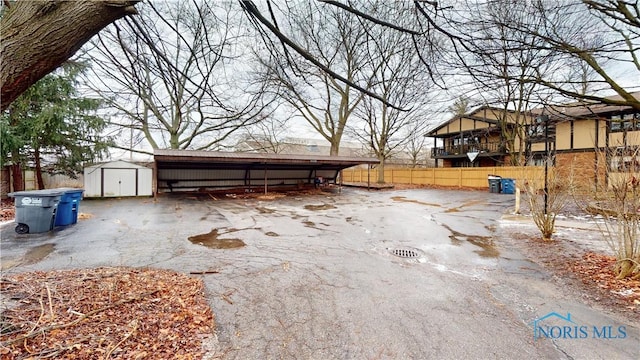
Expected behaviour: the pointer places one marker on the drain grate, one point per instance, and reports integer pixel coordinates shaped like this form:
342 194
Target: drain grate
406 253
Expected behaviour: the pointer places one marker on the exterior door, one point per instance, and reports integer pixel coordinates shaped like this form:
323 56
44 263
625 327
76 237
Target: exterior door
119 182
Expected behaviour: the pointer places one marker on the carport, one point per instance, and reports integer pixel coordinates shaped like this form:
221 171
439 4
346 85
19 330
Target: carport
189 170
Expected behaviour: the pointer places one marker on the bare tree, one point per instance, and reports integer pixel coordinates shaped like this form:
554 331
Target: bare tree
398 77
415 141
38 36
266 136
621 226
601 35
170 75
500 61
617 203
330 36
547 196
460 106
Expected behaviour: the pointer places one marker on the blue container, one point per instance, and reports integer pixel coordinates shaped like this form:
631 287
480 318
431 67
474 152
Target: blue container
68 206
508 186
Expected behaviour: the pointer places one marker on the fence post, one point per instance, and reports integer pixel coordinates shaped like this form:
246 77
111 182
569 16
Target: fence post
460 178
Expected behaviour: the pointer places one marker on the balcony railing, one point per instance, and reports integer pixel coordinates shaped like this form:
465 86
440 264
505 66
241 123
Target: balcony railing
491 147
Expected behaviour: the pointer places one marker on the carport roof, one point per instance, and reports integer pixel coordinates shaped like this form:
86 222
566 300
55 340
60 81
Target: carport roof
171 158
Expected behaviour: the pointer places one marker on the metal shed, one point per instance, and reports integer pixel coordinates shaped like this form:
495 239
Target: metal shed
180 170
118 178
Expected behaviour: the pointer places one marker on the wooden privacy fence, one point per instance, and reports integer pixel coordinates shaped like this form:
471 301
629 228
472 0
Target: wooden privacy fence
475 177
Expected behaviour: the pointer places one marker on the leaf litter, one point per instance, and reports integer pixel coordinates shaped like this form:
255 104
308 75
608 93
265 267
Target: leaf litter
104 313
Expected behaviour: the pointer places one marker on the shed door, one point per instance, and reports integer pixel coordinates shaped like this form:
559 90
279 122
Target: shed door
119 182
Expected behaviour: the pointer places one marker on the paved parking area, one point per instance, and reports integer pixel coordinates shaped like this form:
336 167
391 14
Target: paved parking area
318 277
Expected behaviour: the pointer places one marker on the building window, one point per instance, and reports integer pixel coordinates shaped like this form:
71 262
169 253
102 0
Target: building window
538 129
626 122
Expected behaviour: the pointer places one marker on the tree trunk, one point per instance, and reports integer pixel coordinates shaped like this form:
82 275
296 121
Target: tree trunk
381 171
335 147
38 36
40 180
16 176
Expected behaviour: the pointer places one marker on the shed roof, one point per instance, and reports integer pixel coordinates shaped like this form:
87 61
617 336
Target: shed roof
117 164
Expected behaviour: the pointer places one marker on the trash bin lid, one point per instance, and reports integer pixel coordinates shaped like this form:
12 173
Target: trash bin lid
37 193
70 190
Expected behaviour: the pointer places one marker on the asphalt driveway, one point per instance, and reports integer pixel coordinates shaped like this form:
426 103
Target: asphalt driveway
414 274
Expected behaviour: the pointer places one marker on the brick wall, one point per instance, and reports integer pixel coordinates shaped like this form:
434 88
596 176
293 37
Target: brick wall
581 169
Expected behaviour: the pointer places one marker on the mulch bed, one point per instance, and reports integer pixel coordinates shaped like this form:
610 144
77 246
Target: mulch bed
7 210
103 313
596 271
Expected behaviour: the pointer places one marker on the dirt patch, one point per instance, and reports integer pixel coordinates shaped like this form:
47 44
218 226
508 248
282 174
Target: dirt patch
104 313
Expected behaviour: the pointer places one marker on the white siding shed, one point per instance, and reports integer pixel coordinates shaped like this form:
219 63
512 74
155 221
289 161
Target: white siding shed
116 179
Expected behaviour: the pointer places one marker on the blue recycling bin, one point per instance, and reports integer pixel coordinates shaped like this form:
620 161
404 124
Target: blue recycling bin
508 185
69 206
36 210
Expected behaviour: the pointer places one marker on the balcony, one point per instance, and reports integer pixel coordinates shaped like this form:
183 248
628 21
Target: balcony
453 151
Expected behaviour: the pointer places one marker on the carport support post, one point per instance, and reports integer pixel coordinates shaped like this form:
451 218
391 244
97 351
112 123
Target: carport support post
265 179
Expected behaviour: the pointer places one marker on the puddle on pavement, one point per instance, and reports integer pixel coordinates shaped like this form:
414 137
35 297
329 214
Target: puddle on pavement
404 199
6 264
36 254
264 210
485 243
212 241
459 208
319 207
472 202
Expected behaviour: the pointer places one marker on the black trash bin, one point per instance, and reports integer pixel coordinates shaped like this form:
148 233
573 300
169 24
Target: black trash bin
36 210
494 184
